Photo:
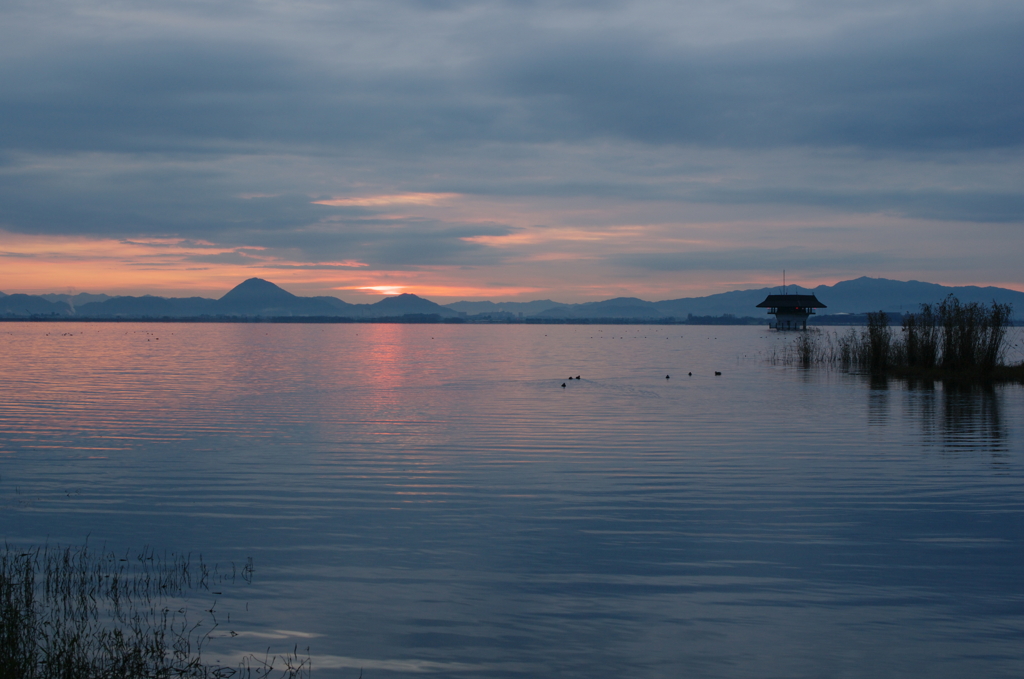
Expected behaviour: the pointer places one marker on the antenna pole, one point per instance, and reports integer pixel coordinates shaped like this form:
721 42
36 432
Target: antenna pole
784 291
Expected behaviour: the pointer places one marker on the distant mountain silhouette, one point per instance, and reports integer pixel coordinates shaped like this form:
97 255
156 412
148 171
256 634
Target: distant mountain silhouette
525 308
32 305
407 303
260 298
257 297
252 298
75 300
620 307
147 306
257 291
874 294
336 303
847 297
856 296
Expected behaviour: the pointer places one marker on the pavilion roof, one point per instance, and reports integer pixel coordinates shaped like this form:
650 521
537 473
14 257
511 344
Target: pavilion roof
792 301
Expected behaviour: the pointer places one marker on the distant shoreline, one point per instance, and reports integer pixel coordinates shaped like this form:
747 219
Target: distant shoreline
856 320
407 319
835 321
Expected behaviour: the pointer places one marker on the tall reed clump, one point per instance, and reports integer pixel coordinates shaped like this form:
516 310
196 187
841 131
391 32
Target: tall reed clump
879 349
972 335
951 337
77 613
921 338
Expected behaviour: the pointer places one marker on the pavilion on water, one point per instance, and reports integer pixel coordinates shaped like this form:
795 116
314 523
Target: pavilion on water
791 311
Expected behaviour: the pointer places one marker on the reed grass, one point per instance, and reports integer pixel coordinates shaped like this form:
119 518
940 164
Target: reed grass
948 340
80 613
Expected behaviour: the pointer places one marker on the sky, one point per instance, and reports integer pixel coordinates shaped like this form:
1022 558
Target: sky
508 150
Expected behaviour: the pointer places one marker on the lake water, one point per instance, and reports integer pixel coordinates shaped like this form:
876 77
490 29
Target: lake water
428 500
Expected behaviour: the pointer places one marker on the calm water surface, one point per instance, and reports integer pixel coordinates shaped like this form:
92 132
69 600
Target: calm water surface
427 500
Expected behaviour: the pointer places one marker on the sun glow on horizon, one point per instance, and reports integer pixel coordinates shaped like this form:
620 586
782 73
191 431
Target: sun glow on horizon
386 290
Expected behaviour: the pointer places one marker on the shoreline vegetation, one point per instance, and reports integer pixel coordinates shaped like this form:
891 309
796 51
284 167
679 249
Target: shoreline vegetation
949 341
92 614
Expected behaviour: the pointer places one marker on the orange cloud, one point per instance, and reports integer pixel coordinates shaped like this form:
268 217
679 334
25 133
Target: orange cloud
388 199
161 266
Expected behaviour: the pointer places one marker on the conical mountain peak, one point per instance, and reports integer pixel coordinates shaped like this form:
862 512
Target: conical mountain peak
257 290
408 303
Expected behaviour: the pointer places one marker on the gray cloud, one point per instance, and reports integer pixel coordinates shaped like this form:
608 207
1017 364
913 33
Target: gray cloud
944 90
130 120
393 244
770 258
234 257
949 205
939 84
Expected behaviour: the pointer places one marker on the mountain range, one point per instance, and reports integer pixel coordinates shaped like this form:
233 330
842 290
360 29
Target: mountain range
259 298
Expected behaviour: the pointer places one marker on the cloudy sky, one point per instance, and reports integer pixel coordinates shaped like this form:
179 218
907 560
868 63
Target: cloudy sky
508 150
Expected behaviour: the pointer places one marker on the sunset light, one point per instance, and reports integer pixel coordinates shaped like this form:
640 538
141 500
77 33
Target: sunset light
385 200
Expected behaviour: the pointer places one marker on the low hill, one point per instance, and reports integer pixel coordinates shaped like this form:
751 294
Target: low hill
401 305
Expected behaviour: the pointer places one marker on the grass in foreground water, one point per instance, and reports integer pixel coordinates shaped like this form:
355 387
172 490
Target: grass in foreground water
948 340
80 613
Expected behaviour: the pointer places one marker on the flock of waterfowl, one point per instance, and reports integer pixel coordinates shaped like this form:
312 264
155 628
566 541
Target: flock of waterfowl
667 377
